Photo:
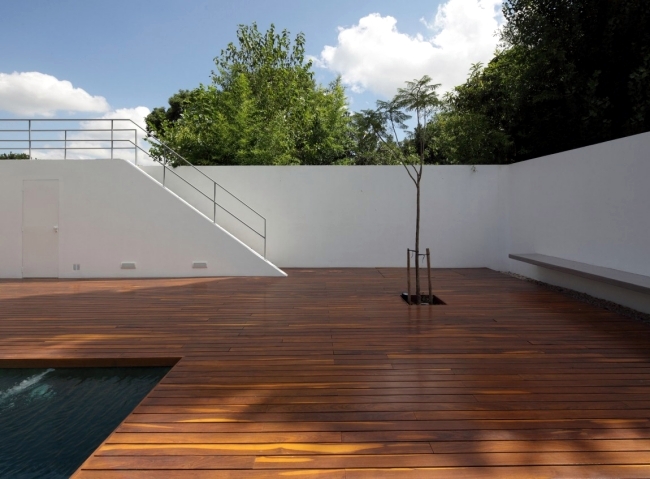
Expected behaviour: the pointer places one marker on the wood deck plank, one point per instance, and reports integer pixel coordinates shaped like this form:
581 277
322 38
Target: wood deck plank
327 373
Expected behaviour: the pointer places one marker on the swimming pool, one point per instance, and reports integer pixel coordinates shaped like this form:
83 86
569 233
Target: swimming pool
51 420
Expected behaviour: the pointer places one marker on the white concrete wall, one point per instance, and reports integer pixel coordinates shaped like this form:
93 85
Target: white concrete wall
364 216
590 205
110 212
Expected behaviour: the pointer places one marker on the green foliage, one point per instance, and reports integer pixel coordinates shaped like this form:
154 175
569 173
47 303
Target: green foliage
570 74
368 131
419 97
14 156
466 138
158 119
263 107
471 128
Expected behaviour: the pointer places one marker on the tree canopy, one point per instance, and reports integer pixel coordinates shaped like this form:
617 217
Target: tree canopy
14 156
263 107
568 73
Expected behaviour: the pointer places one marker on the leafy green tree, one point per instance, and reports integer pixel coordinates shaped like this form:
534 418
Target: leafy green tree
568 74
368 132
466 138
160 117
471 126
263 107
14 156
583 64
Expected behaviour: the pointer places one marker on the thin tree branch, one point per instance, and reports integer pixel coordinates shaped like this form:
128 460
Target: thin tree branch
409 173
392 125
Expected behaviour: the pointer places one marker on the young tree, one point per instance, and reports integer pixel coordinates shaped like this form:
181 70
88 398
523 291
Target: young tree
419 97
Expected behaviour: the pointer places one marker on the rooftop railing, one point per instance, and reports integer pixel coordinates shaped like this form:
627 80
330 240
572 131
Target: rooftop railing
111 138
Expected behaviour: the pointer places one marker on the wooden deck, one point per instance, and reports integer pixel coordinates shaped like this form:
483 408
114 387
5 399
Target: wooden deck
328 374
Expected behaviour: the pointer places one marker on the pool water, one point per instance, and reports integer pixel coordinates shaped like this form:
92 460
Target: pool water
51 420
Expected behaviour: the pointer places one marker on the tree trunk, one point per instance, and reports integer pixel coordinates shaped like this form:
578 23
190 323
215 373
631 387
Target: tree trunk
418 298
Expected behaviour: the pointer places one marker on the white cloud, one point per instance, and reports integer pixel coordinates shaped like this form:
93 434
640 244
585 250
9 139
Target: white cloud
375 55
38 94
137 115
125 136
34 93
135 135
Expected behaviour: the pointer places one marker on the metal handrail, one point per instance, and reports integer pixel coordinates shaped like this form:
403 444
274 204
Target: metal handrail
149 138
215 203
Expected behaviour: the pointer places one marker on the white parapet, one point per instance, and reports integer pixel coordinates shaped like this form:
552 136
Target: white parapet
115 221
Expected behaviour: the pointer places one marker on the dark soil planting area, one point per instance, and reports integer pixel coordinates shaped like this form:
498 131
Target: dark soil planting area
424 299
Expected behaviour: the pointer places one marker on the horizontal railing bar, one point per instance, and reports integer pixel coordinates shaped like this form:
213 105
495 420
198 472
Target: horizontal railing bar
179 156
172 171
200 172
84 129
239 200
97 140
70 120
214 202
67 141
75 129
242 222
210 199
217 184
168 148
73 148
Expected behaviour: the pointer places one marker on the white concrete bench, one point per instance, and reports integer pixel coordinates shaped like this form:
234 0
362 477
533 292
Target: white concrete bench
635 282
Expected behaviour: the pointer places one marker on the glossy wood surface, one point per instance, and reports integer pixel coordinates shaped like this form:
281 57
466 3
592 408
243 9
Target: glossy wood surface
329 374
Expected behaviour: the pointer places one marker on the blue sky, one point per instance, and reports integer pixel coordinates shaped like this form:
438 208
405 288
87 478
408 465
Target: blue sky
127 54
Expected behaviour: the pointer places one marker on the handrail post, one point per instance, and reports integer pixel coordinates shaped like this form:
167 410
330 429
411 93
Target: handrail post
164 170
264 238
65 144
30 138
111 139
135 146
214 202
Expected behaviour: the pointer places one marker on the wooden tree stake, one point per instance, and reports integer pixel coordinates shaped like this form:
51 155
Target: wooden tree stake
429 273
408 276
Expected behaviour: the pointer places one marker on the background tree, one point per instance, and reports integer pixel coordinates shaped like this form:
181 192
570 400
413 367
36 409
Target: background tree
419 97
569 73
369 134
14 156
471 126
263 107
585 63
160 117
